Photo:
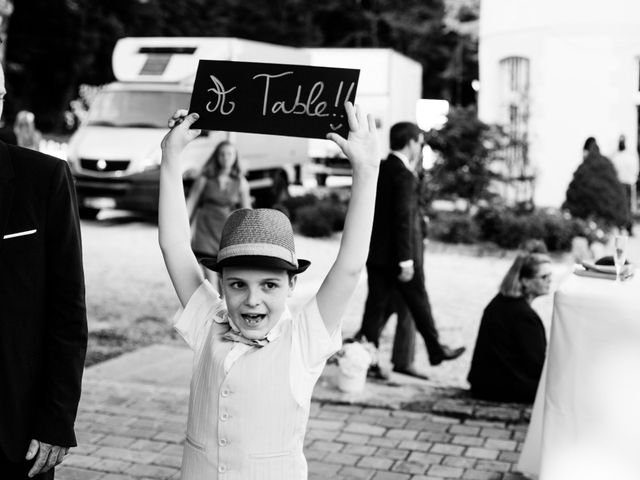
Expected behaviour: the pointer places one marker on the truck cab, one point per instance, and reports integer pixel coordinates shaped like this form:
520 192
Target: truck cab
115 153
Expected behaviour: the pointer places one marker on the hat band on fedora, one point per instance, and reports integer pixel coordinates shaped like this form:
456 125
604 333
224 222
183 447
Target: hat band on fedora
258 249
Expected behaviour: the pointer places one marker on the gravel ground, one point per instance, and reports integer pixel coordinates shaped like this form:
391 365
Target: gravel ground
131 301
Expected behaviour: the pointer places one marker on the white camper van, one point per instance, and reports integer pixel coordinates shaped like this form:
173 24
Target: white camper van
389 88
115 154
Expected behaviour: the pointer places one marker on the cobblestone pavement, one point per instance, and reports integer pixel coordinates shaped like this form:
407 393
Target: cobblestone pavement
131 430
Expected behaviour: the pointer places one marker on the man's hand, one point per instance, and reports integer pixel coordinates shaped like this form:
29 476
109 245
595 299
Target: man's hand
406 273
48 456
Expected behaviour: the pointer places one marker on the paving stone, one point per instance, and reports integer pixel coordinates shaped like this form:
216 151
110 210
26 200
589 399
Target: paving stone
79 461
445 472
446 449
453 407
150 445
461 462
467 430
377 412
495 433
363 450
425 459
435 437
169 437
481 475
484 453
112 465
384 442
116 441
500 444
493 466
168 461
127 455
352 438
152 471
355 473
375 463
325 424
311 454
406 466
364 429
401 434
392 453
391 476
468 440
72 473
323 468
331 415
343 458
322 434
415 445
505 414
511 457
328 446
392 422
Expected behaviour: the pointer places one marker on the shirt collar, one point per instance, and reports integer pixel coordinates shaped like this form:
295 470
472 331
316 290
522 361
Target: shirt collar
404 158
274 333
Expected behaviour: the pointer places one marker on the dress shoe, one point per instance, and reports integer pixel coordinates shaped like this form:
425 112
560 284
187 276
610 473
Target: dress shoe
411 371
448 354
377 373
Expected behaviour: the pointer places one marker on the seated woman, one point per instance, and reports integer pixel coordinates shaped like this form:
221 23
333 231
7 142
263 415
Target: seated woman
511 344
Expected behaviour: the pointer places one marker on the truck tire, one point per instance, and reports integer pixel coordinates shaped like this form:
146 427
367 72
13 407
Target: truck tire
321 179
87 213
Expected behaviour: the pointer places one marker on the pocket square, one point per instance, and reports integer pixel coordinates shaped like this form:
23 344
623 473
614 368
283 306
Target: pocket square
20 234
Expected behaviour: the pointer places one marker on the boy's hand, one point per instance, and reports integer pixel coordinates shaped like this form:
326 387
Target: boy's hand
180 134
361 147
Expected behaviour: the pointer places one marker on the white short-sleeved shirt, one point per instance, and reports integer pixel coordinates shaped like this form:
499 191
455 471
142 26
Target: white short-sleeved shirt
249 405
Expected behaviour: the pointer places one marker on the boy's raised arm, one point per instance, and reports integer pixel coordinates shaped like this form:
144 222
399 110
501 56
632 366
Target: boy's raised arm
361 148
174 233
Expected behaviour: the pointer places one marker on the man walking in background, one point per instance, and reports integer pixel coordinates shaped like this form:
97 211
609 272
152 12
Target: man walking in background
43 325
395 266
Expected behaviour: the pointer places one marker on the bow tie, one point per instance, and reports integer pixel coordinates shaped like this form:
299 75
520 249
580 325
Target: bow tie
233 336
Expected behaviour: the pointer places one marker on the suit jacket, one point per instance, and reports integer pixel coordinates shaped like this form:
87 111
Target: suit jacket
43 325
396 235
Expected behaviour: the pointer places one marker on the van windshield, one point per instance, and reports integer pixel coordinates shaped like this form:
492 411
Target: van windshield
136 108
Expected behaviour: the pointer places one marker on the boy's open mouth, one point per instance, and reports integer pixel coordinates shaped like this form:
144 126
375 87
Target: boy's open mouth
253 319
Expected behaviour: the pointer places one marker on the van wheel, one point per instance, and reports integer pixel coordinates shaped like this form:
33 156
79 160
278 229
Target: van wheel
321 179
87 213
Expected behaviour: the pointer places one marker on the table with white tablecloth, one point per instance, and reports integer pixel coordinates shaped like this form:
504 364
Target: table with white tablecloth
585 421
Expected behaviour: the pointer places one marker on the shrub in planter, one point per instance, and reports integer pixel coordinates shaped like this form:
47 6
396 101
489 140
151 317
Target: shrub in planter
292 204
595 192
312 223
454 228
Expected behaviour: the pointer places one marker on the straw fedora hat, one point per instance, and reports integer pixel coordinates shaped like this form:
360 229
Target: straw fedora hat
257 238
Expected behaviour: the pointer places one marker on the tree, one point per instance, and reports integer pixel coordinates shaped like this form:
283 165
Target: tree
464 145
596 193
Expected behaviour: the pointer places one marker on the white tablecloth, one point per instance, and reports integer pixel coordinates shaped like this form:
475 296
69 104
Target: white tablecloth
585 421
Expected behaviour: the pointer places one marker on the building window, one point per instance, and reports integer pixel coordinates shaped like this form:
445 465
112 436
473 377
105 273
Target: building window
517 174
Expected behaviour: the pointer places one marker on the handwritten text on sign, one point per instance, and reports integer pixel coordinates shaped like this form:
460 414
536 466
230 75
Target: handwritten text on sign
279 99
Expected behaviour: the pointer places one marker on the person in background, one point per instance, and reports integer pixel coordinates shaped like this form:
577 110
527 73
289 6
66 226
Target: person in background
43 324
394 263
627 167
24 127
220 189
511 344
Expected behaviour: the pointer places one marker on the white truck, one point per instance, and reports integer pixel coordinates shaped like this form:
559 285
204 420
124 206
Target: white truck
115 153
389 87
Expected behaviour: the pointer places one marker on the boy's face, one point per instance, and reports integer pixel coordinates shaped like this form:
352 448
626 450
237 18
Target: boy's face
256 298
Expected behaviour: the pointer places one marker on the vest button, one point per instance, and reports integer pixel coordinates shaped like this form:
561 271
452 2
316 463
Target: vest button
222 468
224 416
225 392
223 442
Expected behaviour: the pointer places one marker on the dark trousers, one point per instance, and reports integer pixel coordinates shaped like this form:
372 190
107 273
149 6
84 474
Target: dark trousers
383 284
18 471
404 340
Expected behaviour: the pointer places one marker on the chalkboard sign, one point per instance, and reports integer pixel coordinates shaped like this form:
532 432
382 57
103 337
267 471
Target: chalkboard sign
278 99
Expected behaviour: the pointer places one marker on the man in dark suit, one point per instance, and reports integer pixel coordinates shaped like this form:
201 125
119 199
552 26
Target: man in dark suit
43 326
394 265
